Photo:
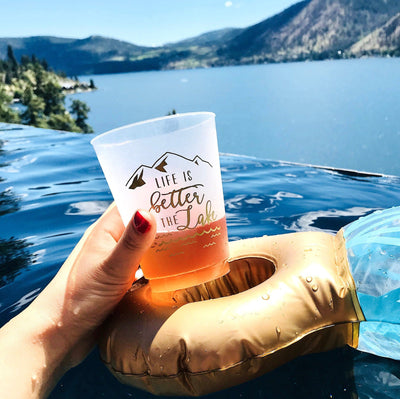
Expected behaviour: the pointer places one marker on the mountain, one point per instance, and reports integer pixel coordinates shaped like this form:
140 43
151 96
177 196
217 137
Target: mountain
308 30
265 37
73 56
385 39
213 38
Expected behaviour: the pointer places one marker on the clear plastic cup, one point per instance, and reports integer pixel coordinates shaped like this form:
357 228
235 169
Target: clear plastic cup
170 167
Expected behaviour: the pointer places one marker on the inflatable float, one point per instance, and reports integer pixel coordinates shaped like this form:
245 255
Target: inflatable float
285 296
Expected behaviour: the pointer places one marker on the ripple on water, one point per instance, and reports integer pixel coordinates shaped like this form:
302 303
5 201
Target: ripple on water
87 208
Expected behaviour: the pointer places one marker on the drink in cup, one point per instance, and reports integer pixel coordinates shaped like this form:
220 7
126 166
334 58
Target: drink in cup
170 167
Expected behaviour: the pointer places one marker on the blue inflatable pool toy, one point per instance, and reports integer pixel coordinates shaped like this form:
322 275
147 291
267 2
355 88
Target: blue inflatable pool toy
373 248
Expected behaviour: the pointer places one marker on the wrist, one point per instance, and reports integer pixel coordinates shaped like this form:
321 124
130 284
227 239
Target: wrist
32 356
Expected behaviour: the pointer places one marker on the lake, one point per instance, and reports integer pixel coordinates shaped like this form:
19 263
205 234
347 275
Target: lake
344 114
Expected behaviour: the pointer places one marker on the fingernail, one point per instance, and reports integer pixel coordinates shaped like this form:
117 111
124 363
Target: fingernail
141 224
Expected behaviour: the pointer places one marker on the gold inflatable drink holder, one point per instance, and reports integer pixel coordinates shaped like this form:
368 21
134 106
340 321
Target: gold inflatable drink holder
284 297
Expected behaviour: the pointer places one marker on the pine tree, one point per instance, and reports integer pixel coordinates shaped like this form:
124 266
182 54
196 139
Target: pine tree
25 61
34 111
53 98
8 78
7 114
80 110
63 122
12 62
45 65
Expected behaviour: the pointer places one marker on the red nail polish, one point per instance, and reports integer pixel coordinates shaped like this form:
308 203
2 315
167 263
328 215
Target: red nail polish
141 224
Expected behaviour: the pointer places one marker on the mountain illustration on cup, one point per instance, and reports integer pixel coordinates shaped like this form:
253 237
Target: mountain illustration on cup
169 163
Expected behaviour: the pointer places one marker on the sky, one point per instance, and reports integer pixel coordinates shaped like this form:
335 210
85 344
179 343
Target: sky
142 22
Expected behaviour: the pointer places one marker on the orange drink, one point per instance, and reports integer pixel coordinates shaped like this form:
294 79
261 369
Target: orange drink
180 254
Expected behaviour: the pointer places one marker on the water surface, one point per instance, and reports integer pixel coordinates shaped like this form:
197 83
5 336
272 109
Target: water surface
52 189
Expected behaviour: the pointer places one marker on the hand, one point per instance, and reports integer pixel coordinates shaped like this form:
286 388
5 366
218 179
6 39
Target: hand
58 329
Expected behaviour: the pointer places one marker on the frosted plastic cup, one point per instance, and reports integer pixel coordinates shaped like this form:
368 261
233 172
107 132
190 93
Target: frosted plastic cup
170 167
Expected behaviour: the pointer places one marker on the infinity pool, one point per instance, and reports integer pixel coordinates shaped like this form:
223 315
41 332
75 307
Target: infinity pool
52 189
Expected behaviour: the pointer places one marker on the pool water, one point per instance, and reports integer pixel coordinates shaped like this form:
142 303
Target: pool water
52 189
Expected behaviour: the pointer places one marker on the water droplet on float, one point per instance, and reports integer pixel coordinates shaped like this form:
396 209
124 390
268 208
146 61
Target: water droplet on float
265 297
76 310
59 324
34 380
278 331
309 279
315 287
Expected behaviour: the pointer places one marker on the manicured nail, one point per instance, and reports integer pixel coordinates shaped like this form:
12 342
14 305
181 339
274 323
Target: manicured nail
142 225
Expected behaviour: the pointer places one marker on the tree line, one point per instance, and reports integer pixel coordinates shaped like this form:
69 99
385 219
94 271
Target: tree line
37 88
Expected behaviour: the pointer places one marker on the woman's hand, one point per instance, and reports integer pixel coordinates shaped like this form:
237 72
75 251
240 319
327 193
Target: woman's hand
58 329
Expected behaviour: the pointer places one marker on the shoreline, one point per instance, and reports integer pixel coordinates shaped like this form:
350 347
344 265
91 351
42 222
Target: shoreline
68 86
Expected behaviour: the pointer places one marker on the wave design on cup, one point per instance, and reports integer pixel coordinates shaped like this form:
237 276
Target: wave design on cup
166 243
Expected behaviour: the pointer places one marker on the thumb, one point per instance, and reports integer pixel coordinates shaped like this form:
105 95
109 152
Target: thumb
122 264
